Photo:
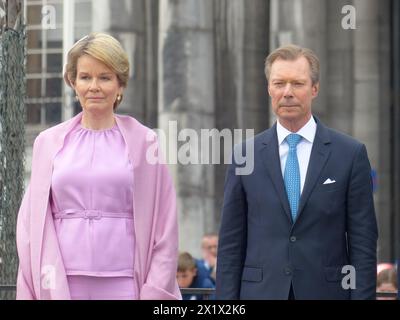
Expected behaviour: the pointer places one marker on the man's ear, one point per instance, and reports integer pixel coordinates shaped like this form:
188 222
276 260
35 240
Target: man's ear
315 90
269 92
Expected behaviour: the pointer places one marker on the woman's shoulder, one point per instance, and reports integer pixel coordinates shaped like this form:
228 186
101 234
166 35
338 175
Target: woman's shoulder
132 123
53 132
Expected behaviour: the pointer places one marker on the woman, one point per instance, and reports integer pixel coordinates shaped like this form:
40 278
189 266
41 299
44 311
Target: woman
98 221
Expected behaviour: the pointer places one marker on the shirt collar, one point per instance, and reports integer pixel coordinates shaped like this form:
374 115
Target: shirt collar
307 131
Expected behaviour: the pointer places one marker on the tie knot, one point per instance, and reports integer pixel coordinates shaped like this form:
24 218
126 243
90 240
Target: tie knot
293 139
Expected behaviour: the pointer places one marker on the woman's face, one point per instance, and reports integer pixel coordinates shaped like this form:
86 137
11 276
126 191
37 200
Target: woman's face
96 85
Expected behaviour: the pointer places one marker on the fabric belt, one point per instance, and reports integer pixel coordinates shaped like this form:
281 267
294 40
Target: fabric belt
90 214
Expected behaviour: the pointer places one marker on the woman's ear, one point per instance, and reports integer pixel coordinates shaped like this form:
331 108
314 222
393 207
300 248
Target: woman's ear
72 83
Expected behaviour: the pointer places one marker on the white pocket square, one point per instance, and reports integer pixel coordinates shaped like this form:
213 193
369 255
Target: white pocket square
329 181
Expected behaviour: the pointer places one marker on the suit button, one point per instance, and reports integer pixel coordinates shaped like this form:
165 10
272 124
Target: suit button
288 271
293 239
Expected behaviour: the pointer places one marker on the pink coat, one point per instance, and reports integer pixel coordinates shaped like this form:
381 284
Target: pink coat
41 272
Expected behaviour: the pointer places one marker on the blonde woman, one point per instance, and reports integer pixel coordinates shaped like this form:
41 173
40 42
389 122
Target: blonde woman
98 221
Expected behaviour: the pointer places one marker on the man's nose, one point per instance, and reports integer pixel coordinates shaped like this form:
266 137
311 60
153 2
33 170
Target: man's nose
288 91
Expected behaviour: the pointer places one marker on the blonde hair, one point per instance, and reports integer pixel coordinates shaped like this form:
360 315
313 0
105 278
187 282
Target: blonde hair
293 52
104 48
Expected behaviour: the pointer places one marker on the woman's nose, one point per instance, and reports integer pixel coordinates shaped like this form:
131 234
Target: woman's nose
93 85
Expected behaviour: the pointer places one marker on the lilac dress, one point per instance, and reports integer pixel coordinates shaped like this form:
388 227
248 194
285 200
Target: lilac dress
91 201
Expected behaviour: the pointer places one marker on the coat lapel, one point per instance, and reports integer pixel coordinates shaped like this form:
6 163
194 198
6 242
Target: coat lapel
319 155
270 156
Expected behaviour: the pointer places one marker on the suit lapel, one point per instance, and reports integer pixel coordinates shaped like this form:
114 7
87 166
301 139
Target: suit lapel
319 155
270 156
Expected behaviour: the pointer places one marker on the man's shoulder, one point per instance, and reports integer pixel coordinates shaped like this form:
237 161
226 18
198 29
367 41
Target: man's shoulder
341 138
256 140
264 135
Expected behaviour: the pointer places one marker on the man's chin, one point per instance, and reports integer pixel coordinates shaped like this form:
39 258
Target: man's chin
290 114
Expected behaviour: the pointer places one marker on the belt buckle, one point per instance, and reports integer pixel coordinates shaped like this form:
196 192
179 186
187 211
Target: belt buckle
92 214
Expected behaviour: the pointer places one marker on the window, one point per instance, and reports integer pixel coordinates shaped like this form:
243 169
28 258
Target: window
44 63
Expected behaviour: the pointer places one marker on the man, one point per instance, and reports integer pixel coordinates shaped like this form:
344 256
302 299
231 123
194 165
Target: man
207 265
302 225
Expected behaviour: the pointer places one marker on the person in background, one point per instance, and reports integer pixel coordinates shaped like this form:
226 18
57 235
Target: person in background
98 220
386 279
188 277
209 249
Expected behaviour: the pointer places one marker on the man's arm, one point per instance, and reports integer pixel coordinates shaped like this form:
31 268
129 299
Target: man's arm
232 238
362 228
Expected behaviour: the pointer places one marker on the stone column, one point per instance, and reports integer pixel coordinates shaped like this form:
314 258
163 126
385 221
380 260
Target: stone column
134 24
372 103
186 99
303 22
366 76
340 77
241 46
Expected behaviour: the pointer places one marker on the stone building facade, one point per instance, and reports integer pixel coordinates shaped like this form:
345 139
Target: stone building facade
200 64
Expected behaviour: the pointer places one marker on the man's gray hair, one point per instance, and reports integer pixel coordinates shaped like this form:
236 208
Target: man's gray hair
293 52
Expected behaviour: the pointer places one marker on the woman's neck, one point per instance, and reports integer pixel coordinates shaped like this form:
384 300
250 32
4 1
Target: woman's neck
96 121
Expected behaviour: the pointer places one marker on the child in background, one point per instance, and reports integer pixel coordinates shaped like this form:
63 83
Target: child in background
188 277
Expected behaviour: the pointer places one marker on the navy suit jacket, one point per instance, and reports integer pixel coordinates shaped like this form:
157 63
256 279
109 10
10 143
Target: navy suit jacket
262 252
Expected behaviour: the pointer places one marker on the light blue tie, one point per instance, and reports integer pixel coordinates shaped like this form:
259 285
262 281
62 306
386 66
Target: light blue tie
292 174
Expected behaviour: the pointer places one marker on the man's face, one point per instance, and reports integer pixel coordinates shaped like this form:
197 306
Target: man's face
210 246
185 278
291 91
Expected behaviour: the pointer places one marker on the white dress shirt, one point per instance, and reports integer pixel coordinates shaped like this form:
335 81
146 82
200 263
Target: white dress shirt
303 148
